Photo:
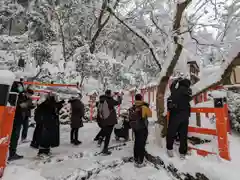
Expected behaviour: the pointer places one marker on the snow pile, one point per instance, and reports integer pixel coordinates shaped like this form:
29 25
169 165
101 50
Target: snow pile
21 173
218 94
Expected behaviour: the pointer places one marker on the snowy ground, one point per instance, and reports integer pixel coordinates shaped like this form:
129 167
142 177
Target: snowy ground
73 163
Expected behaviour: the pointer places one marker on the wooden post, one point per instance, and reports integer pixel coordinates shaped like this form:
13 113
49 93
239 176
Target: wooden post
153 94
223 147
132 96
198 115
226 115
149 95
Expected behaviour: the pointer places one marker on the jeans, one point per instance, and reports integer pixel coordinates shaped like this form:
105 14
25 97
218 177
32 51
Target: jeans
139 144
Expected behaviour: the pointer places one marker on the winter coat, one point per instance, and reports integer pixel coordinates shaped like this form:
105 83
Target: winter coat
20 112
146 113
112 119
181 98
48 117
77 113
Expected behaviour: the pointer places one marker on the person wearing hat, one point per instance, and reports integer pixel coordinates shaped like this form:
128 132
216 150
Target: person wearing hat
77 113
22 106
50 124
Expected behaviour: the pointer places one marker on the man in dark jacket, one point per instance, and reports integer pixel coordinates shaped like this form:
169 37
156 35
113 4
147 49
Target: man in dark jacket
23 104
77 109
108 123
180 110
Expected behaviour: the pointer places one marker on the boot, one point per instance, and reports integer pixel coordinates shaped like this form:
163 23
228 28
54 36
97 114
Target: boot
100 140
15 157
170 153
139 164
106 152
77 142
182 156
34 145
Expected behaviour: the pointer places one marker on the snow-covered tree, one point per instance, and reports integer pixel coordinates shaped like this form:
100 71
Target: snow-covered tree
9 11
84 62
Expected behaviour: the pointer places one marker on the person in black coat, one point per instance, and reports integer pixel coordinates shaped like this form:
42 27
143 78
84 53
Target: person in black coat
180 109
100 135
108 123
77 109
50 124
39 126
23 105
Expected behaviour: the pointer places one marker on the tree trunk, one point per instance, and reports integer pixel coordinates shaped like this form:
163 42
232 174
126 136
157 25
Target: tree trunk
160 102
63 44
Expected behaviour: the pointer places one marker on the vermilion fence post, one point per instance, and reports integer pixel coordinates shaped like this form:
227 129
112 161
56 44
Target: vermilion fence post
223 147
132 96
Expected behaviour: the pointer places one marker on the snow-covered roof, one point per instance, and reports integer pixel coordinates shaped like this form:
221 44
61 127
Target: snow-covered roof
209 78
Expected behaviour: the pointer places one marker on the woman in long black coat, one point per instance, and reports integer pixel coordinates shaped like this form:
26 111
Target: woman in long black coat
50 124
77 109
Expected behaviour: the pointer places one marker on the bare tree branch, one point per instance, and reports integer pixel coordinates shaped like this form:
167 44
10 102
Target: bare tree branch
146 42
101 25
156 24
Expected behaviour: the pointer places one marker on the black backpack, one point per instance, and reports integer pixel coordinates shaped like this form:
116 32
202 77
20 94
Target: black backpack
136 121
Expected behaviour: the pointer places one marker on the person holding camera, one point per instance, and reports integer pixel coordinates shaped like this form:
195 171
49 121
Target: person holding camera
107 118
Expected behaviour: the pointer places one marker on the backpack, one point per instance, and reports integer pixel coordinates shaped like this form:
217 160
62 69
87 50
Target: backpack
103 110
136 121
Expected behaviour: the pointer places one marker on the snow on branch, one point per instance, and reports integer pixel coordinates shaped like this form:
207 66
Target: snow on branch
140 35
